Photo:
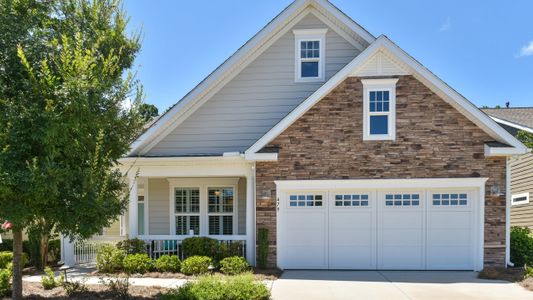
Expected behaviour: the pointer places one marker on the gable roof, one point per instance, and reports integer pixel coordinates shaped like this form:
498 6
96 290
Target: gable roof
242 57
517 117
382 43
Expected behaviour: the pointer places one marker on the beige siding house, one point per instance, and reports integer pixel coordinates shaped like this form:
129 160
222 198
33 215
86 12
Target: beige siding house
513 120
345 148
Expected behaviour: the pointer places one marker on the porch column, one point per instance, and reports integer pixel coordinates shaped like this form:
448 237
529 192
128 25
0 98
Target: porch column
132 208
250 217
67 251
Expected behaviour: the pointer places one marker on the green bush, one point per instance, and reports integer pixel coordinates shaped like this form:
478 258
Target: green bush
168 263
73 288
5 280
49 281
6 257
241 287
109 259
229 249
196 265
200 246
521 246
262 248
137 263
54 250
132 246
528 272
6 245
234 265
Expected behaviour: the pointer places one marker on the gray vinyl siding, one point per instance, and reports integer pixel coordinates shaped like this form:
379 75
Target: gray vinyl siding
522 182
255 100
158 206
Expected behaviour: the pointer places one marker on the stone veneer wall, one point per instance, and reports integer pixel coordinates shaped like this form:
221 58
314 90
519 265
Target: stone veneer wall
432 140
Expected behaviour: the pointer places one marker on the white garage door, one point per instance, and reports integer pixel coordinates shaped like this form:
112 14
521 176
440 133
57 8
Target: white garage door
433 229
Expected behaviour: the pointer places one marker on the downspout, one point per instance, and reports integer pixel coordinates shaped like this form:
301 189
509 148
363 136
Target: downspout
508 262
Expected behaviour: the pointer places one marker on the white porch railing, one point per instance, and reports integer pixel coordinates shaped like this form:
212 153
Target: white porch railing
85 251
158 245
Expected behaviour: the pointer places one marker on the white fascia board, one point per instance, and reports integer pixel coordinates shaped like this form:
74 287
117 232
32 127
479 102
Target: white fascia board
382 42
261 156
512 124
243 56
467 182
504 151
170 160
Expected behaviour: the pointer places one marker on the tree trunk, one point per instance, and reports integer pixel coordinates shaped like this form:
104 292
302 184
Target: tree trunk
17 264
44 249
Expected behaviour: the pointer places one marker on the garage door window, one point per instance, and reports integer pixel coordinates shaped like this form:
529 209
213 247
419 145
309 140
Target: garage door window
402 199
450 199
351 200
305 200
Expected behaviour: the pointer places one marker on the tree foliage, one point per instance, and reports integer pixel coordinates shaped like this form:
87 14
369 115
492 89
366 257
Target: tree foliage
64 75
526 138
148 111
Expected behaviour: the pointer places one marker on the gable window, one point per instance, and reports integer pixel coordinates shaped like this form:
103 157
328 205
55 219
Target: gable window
379 109
518 199
310 54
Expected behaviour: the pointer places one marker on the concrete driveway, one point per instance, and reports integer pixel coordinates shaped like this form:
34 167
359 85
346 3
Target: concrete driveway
391 285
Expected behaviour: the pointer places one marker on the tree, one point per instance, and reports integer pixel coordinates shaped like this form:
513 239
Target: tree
526 138
148 111
64 74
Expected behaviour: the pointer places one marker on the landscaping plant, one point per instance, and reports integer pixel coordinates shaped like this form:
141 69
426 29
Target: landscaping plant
167 263
200 246
109 259
73 288
5 280
6 258
262 248
137 263
65 75
521 246
234 265
132 246
118 286
196 265
49 281
240 287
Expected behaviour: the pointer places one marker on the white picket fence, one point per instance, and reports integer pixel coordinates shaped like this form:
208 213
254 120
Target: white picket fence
85 251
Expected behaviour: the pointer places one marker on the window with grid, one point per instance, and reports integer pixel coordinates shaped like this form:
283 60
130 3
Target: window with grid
351 200
379 109
187 210
220 210
309 59
305 200
402 200
454 199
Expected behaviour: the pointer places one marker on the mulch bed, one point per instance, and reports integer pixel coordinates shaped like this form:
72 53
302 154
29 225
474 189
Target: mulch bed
507 274
34 290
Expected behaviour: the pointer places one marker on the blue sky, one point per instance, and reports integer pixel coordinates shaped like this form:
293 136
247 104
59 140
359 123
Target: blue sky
483 49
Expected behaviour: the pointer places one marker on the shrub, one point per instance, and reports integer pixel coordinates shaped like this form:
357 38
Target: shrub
118 286
234 265
137 263
528 272
73 288
229 249
521 246
54 250
262 248
241 287
6 257
168 263
132 246
196 265
109 259
49 281
200 246
5 281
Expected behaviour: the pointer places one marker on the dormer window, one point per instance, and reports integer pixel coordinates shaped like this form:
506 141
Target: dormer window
310 54
379 109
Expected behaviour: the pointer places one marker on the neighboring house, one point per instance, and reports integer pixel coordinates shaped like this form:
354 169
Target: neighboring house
515 119
350 152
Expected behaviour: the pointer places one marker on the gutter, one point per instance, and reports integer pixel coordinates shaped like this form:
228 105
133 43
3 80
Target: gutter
508 262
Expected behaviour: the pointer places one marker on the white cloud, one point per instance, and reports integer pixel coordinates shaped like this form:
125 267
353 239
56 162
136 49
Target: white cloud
446 25
527 50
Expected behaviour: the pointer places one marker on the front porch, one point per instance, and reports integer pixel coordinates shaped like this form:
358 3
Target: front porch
173 199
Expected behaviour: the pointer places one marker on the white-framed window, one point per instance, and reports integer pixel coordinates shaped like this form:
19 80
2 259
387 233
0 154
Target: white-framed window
220 210
519 199
379 109
449 199
187 210
402 199
310 54
306 200
355 200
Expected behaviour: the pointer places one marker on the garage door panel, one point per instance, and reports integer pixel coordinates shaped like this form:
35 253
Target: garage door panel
401 219
306 257
402 237
351 258
441 219
402 257
449 237
449 258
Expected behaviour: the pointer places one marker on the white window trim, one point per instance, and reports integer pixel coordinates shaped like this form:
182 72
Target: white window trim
515 196
203 184
309 35
369 85
233 214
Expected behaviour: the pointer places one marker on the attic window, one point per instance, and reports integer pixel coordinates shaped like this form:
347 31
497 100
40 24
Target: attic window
379 109
309 54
